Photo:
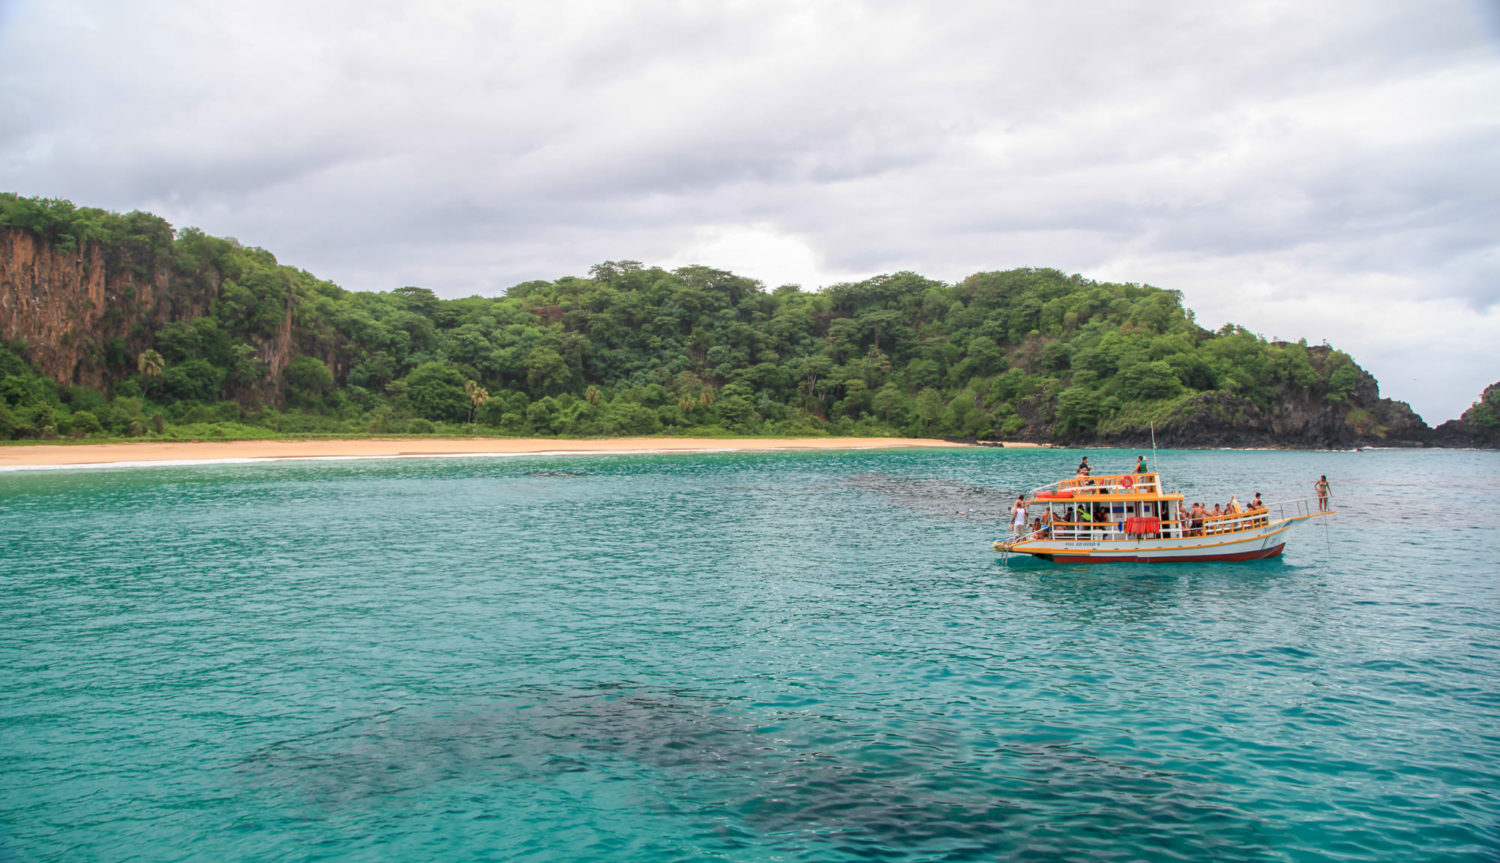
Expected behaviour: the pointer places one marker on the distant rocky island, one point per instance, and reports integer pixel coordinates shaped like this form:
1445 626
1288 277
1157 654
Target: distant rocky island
117 325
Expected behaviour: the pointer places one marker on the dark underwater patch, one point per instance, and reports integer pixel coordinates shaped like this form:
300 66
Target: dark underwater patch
781 780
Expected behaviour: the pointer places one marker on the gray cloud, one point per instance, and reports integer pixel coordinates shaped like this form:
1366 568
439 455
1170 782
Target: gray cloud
1288 166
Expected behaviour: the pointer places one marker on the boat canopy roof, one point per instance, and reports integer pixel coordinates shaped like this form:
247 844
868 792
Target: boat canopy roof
1097 489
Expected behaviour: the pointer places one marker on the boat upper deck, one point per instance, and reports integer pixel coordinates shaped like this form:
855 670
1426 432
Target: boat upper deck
1120 487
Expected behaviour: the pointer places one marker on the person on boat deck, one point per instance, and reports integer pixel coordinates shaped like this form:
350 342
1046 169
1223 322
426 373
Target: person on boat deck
1234 506
1047 520
1140 464
1195 519
1218 511
1083 472
1018 516
1256 504
1323 489
1036 527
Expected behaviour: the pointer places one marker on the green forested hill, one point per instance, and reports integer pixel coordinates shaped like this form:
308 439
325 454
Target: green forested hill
198 335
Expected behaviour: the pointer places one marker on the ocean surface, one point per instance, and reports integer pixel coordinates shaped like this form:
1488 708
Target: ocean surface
738 657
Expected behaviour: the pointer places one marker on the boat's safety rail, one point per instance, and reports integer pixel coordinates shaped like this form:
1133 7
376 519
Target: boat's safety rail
1124 528
1083 486
1234 522
1302 507
1116 527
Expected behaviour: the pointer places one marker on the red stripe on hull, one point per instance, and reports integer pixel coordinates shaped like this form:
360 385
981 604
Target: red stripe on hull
1259 554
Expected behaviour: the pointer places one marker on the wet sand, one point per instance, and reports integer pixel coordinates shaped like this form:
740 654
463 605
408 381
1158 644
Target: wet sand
62 455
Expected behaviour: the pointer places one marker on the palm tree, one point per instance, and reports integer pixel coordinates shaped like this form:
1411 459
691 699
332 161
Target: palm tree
478 395
150 363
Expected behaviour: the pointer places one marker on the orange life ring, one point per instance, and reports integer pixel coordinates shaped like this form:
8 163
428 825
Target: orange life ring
1126 482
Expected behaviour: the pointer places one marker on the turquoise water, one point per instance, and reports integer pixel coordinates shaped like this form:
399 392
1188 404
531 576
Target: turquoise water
805 656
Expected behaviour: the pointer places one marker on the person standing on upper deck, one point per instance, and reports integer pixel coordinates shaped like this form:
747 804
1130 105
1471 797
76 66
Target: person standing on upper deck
1018 516
1140 464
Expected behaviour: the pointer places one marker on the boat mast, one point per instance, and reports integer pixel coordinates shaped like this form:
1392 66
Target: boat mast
1159 487
1164 509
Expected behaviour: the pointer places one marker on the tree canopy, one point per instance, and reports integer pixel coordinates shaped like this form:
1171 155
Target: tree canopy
634 349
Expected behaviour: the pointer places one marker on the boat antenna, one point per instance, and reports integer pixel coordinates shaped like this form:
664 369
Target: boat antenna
1154 459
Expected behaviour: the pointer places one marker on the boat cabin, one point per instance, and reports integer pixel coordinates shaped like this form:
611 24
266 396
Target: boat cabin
1127 506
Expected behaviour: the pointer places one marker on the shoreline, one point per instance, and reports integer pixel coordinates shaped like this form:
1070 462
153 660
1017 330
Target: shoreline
44 456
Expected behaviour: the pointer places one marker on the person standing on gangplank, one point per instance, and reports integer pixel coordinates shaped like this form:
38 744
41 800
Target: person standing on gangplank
1323 489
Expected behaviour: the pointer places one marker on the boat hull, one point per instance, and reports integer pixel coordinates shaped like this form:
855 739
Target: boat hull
1162 557
1248 545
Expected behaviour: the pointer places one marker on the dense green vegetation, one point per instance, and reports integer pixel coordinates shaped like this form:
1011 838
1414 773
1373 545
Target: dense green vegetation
634 350
1484 415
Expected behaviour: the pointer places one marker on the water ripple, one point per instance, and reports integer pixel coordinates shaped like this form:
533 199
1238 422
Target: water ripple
738 657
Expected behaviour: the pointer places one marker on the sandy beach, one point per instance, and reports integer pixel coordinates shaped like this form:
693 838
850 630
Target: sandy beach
145 452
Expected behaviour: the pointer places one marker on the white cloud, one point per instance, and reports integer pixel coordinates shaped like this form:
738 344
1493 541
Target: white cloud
760 252
1292 167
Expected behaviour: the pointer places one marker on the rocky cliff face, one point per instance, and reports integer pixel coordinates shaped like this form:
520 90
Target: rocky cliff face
1221 419
85 315
64 305
1295 419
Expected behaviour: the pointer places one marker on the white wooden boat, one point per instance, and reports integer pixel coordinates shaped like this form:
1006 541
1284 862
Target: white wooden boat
1129 517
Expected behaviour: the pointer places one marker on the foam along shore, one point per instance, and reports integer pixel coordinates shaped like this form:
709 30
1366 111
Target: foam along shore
181 452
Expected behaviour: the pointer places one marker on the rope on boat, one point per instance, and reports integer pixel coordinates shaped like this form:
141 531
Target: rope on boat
1327 543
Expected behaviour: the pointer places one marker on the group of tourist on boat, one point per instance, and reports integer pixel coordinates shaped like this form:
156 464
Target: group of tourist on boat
1094 517
1131 516
1199 520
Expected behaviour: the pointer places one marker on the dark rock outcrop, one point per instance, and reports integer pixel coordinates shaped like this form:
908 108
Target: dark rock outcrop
1479 427
1295 419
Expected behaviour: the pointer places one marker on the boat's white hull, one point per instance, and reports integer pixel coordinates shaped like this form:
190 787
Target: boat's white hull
1268 541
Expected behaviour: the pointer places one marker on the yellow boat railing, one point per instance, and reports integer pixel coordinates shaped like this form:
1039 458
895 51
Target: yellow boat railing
1124 483
1112 528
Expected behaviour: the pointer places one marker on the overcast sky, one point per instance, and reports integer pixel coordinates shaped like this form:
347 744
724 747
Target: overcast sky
1325 170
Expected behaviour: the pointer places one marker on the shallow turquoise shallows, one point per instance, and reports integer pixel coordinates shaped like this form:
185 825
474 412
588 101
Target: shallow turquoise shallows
807 656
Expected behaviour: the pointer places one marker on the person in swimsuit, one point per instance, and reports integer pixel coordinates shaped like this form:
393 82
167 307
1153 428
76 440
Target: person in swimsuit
1323 489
